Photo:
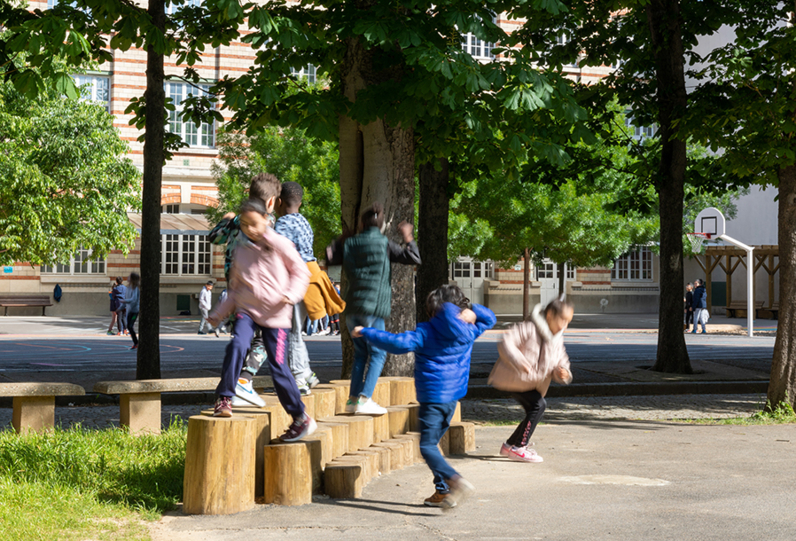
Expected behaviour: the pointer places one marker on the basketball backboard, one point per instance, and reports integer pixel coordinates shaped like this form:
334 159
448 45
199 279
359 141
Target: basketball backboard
711 222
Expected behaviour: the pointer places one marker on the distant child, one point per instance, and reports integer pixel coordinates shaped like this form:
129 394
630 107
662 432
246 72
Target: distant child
117 306
205 304
700 305
266 279
689 310
320 295
132 301
366 258
228 231
442 348
532 354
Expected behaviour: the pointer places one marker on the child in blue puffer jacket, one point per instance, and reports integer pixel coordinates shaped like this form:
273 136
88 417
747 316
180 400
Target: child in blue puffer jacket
442 348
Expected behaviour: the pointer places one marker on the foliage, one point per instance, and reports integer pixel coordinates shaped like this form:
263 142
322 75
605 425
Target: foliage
783 413
80 483
64 180
292 156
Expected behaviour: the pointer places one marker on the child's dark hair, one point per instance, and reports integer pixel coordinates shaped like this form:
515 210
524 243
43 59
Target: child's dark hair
264 186
292 193
373 216
135 280
253 205
445 293
558 306
119 280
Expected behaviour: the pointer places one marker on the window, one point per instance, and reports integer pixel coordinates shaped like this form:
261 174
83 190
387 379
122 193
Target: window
570 272
476 47
546 270
562 38
171 209
639 133
173 7
635 265
51 3
307 73
95 88
80 263
461 269
195 136
185 255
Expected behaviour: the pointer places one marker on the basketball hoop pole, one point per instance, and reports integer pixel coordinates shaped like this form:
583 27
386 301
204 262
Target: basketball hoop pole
750 279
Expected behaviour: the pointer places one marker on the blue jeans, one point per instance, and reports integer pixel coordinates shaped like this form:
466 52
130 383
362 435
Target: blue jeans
434 420
361 383
698 319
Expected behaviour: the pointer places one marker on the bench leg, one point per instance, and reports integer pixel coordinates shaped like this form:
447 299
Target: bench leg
33 413
140 413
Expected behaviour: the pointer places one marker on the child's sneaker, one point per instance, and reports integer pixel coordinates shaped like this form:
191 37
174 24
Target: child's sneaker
223 407
303 386
245 390
351 405
369 407
437 500
505 449
301 428
461 489
523 454
111 333
313 381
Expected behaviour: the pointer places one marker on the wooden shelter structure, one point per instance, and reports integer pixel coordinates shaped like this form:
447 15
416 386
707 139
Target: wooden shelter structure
729 257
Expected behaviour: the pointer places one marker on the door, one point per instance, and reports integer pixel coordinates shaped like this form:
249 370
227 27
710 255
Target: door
469 275
547 276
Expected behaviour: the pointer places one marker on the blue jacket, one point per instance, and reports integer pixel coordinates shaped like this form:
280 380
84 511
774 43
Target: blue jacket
700 298
132 299
117 297
442 349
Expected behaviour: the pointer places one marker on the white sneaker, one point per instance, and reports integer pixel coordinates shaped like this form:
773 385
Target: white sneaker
369 407
303 386
324 332
313 381
245 391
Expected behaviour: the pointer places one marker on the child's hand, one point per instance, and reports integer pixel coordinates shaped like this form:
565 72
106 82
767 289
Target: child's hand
287 301
357 332
213 320
468 316
562 374
229 215
406 231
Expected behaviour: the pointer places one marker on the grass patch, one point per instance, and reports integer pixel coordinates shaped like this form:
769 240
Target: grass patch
88 484
781 415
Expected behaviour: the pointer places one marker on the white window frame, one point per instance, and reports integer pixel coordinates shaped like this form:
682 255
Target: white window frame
309 72
638 133
634 266
171 208
185 255
79 264
480 50
172 8
203 136
91 88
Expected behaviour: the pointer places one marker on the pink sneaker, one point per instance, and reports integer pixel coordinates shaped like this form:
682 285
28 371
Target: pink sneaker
505 449
523 454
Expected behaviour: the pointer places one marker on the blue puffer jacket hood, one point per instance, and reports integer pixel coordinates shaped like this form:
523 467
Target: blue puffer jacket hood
442 350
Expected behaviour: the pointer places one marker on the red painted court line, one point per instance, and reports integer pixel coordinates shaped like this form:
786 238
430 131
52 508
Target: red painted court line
48 347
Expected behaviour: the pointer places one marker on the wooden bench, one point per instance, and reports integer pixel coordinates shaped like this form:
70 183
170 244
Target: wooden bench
738 309
34 403
139 401
10 301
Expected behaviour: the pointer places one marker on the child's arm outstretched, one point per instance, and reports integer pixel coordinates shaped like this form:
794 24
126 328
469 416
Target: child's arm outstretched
396 344
299 274
484 318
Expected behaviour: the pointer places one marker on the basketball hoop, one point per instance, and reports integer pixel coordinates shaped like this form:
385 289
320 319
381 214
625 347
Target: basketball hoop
697 239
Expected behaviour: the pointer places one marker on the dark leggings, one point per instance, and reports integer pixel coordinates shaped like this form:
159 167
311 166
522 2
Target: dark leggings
131 317
534 404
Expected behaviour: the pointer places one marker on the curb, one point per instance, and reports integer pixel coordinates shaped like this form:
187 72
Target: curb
634 389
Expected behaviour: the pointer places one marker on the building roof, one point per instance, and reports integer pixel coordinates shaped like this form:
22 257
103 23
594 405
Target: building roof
176 224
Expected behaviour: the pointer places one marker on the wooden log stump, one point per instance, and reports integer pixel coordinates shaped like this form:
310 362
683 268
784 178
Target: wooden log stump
325 402
339 437
309 404
402 391
344 479
369 470
414 438
34 414
414 423
462 438
398 419
280 419
457 415
397 460
381 393
219 465
319 448
374 461
381 427
340 395
385 465
360 430
288 473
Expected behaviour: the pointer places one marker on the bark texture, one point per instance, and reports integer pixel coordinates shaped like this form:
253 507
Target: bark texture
148 361
432 224
782 386
665 28
377 164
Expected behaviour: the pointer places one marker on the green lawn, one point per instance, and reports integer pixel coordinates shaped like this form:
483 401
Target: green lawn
88 484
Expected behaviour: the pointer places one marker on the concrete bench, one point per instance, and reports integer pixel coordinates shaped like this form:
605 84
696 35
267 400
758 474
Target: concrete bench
139 400
738 309
24 301
34 403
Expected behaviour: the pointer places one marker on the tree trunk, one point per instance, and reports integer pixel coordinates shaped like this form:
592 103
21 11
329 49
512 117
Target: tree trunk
562 278
665 20
148 365
377 163
782 387
526 284
432 225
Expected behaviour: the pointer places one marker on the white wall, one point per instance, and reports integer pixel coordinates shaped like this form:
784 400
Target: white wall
756 222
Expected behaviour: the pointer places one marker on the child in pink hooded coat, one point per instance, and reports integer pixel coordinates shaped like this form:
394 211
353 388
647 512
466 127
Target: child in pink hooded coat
532 354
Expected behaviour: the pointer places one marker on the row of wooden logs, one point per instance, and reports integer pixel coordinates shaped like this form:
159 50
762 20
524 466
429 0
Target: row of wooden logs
232 462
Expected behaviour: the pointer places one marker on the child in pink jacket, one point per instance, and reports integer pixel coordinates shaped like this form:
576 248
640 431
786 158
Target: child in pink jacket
532 354
266 279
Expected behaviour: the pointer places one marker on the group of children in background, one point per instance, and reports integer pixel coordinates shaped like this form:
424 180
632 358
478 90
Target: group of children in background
274 283
125 301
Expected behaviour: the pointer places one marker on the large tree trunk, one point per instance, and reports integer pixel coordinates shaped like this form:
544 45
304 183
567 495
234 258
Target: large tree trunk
432 224
665 20
377 163
148 365
782 387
